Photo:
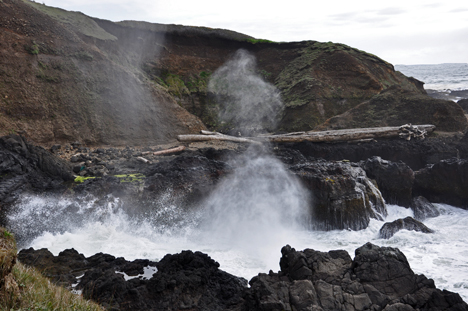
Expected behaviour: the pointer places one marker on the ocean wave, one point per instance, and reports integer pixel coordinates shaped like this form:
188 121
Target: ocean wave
447 94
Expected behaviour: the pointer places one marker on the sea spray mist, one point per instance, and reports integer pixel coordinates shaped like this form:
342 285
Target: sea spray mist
247 103
259 205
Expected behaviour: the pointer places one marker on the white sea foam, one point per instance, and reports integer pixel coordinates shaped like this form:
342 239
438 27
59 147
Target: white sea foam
442 255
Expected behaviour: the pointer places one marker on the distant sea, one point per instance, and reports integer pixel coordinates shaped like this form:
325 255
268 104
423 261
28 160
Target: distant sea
446 81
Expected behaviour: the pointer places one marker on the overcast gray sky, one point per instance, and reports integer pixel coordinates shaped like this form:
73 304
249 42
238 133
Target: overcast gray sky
399 31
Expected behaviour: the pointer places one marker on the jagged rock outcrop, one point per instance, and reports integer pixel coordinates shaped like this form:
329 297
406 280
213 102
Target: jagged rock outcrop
342 195
414 153
394 179
379 278
25 167
409 223
444 182
423 209
396 106
187 280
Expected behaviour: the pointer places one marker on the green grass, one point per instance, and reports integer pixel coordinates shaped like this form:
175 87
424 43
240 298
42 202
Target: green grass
255 41
24 288
37 293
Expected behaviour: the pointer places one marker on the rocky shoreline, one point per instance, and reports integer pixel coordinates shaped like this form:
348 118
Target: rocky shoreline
378 278
308 280
341 180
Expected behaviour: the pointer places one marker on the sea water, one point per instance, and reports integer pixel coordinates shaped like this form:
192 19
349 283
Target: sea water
447 81
108 228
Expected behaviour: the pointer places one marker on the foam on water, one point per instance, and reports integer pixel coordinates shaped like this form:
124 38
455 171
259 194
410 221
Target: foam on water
442 256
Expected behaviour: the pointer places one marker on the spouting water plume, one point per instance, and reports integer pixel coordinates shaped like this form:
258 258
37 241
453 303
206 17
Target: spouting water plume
258 207
247 102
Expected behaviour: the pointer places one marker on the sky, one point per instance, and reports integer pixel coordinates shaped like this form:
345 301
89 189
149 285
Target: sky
400 31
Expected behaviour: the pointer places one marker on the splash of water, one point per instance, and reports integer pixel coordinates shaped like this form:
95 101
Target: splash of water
258 206
246 101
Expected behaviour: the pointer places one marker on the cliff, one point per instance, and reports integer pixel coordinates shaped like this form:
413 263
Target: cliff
68 77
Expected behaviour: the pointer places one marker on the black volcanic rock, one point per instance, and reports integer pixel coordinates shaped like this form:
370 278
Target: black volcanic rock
395 179
423 209
414 153
187 280
379 278
444 182
408 223
25 167
342 195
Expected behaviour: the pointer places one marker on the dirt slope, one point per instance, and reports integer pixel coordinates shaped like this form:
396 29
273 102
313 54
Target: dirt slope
57 85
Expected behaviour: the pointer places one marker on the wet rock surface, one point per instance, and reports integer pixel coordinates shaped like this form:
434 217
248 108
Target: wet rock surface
25 167
415 153
342 195
378 278
394 179
409 223
423 209
189 280
341 191
444 182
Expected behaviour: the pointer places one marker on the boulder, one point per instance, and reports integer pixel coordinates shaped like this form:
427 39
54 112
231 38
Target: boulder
342 195
444 182
423 209
408 223
395 106
394 179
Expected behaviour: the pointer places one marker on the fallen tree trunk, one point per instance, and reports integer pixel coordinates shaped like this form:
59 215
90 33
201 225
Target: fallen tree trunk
215 136
169 151
342 135
324 136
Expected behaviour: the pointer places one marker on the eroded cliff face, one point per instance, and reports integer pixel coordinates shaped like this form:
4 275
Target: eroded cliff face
65 77
317 80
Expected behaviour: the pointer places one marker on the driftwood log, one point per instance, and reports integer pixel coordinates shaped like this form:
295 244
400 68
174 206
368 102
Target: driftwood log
169 151
324 136
207 136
